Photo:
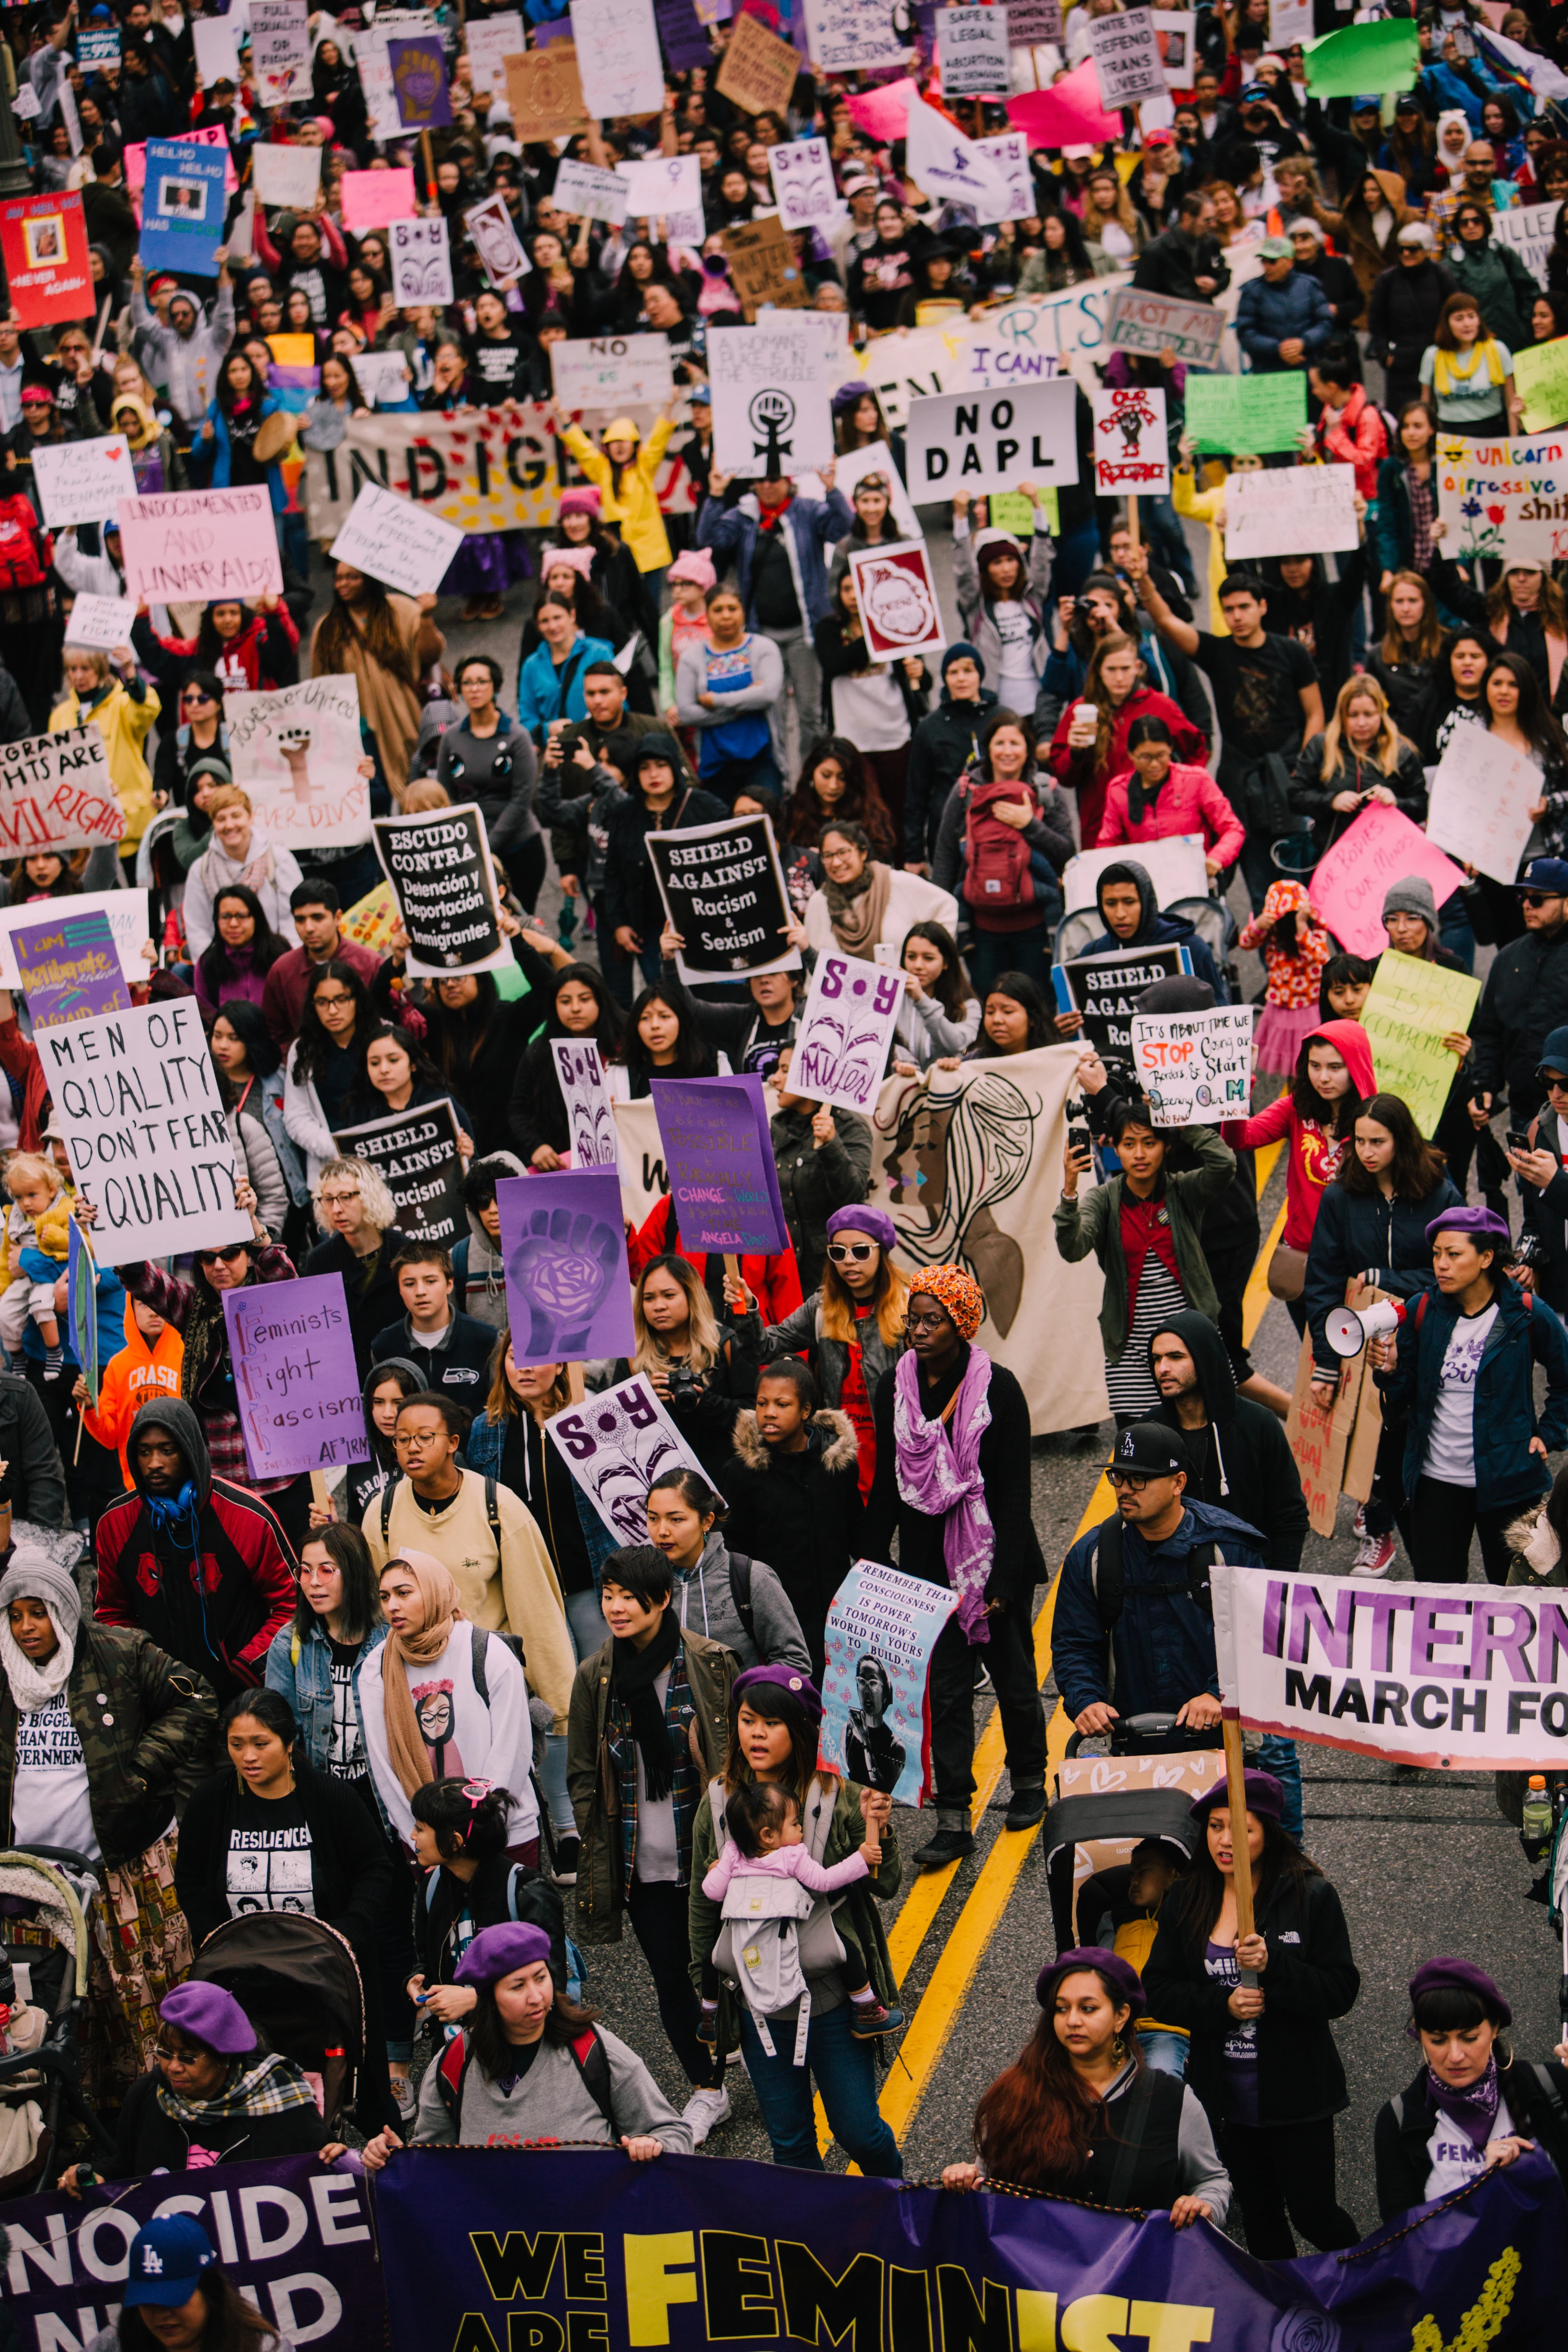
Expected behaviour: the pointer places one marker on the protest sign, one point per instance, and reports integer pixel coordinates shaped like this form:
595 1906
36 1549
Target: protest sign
421 262
215 137
803 187
544 93
293 2235
1319 1435
96 46
1151 324
1174 865
1480 803
491 40
136 1094
1033 22
190 546
24 105
853 467
723 890
897 594
590 1114
1297 510
81 481
1175 33
1007 152
615 1445
1349 880
682 36
439 863
69 967
101 621
639 1158
1256 413
217 49
973 51
286 176
845 1031
1372 56
1290 24
613 371
1503 497
416 1151
297 751
854 36
1411 1006
296 1380
993 441
182 208
380 375
56 792
374 199
1106 988
758 69
763 267
582 191
1541 377
564 1253
1528 228
43 243
876 1712
126 910
719 1157
771 412
392 540
496 241
662 185
1194 1068
617 57
280 49
1128 66
1131 452
419 81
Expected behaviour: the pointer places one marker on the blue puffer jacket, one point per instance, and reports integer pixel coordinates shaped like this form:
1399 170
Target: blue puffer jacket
1161 1652
1526 1333
482 1451
1360 1234
300 1668
810 525
1268 316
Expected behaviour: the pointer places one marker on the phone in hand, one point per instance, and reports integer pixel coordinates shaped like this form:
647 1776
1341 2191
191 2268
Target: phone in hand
1517 1140
1080 1141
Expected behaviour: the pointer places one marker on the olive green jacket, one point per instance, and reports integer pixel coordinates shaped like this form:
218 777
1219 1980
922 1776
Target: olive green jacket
1091 1228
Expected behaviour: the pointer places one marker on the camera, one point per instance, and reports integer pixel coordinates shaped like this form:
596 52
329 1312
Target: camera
685 1385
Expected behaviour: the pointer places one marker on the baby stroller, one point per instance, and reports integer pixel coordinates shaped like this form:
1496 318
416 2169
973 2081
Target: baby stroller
298 1982
42 2072
1106 1805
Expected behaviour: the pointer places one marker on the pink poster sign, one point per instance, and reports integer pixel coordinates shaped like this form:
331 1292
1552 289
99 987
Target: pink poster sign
371 199
1380 848
215 135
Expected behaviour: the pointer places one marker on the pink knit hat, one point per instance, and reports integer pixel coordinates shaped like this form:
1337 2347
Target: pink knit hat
580 560
582 500
697 565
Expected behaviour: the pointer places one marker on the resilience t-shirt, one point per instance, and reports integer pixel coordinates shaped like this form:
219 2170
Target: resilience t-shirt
49 1803
1451 1443
1257 692
270 1857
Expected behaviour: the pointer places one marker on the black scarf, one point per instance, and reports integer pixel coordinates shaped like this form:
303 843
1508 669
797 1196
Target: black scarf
633 1673
1142 796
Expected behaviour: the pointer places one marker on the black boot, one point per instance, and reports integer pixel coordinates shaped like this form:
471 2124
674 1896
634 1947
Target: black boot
1027 1808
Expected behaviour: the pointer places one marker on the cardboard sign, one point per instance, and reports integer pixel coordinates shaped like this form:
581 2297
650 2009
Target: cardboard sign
69 967
771 412
1257 414
758 69
1411 1006
1032 22
1194 1068
1128 66
421 262
896 591
853 36
392 540
618 58
846 1031
882 1627
280 49
56 792
297 751
1151 324
1131 451
584 193
613 371
136 1096
439 863
491 40
719 1154
182 208
615 1445
101 622
1378 847
81 481
544 94
496 241
974 53
1541 377
43 241
1174 865
590 1114
376 199
994 440
1503 497
189 546
286 176
419 81
762 265
296 1379
803 182
1106 988
723 890
1319 1436
564 1253
416 1151
1300 510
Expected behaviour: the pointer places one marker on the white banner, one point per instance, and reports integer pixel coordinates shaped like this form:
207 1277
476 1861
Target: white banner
56 792
391 540
1479 803
1502 498
845 1030
380 375
1451 1676
297 751
217 49
944 163
1294 511
613 371
993 441
1195 1069
769 404
1175 34
83 481
421 262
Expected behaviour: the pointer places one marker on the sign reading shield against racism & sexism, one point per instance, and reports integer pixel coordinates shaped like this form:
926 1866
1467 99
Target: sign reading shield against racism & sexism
564 1253
416 1151
876 1725
719 1154
439 865
295 1379
845 1028
897 596
723 891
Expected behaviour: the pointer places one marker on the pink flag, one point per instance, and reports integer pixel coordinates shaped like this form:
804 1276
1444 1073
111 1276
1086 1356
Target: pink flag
1068 114
882 113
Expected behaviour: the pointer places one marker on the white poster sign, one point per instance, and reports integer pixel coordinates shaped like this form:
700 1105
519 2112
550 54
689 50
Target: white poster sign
1127 61
280 49
56 792
1175 34
852 468
217 49
1479 803
83 481
972 48
1131 454
618 56
1007 152
662 186
845 1030
1529 229
590 1115
1195 1069
1290 24
297 751
1503 497
1294 511
491 40
286 176
615 1445
613 371
136 1094
101 621
381 376
421 262
1175 867
584 193
771 412
988 441
803 184
391 540
882 1627
853 36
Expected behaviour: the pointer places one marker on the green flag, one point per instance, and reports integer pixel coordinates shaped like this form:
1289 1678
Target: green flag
1386 56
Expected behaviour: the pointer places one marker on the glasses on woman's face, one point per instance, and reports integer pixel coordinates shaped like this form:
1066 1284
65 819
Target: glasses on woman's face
195 698
924 1323
851 1253
844 856
332 1000
222 1256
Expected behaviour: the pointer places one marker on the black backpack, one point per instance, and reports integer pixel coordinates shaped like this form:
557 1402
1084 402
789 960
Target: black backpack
513 1642
1109 1576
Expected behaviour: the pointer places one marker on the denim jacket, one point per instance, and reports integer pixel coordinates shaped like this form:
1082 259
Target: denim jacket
306 1682
482 1451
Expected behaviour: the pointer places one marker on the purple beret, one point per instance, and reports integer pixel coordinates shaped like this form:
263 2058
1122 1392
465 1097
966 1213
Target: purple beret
1264 1797
1460 1976
498 1952
1483 1225
1119 1974
209 2014
875 1222
800 1687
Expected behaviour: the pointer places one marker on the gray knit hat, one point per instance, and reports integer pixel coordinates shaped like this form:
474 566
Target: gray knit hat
1411 896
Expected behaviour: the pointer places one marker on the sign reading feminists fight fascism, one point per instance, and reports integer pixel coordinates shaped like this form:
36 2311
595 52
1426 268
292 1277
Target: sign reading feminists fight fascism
724 893
295 1379
439 865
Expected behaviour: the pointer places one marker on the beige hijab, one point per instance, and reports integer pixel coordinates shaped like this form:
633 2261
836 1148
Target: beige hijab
438 1590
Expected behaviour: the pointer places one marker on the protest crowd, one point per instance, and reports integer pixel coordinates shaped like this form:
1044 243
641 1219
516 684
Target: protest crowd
716 731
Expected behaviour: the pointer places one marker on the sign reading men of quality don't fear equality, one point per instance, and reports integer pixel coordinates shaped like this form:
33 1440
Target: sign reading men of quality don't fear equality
987 441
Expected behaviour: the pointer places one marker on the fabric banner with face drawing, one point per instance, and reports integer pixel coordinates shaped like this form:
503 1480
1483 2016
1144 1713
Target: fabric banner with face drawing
968 1163
615 1445
590 1114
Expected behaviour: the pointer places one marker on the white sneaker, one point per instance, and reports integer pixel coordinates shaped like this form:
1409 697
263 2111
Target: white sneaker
705 2111
1375 1557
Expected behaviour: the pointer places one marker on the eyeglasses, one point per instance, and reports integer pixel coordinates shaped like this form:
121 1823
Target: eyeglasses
924 1322
837 856
1133 1480
340 1200
211 1257
166 2057
840 1251
324 1003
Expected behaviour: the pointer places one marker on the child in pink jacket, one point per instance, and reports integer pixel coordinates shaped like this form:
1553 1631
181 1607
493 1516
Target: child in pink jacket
1159 797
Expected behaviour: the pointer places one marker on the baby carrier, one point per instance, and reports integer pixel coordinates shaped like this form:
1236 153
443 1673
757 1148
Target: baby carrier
774 1930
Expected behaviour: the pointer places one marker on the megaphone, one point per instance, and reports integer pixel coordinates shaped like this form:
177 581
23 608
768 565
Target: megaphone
1348 1330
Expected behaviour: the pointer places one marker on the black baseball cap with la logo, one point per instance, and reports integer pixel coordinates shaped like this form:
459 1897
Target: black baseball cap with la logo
1149 1450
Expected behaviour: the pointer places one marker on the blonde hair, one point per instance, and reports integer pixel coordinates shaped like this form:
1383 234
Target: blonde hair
503 1403
380 1208
30 1167
701 1327
229 796
890 1296
1387 744
1094 220
90 654
424 793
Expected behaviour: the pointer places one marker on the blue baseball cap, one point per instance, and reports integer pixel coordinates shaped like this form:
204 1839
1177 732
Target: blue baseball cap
1546 874
167 2259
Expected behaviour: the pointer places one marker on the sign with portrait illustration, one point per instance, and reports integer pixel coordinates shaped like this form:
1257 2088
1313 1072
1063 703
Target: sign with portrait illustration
1131 455
615 1445
183 207
416 1151
297 751
590 1114
896 591
882 1627
723 890
844 1032
296 1382
564 1255
43 243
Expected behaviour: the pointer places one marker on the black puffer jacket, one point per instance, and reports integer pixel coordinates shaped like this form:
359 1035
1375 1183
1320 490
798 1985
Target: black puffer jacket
946 741
802 1510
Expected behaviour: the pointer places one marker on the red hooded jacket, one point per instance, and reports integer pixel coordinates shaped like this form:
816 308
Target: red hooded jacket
774 1282
1315 1153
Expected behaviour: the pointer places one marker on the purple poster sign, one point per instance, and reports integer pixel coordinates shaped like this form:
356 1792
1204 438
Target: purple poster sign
564 1247
69 967
719 1156
419 82
682 35
295 1379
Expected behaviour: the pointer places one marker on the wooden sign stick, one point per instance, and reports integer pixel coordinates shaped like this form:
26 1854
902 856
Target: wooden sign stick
1236 1790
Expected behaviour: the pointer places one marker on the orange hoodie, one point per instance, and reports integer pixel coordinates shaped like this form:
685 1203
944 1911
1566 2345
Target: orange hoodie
130 1378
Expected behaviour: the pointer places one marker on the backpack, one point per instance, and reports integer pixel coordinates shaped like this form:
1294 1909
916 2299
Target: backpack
513 1641
769 1967
996 875
593 2066
19 564
1108 1578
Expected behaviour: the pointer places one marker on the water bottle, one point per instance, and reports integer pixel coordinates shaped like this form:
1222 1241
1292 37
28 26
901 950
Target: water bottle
1535 1827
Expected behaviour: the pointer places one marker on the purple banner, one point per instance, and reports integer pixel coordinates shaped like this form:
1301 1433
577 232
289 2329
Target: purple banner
70 969
564 1247
295 1379
719 1156
294 2236
682 35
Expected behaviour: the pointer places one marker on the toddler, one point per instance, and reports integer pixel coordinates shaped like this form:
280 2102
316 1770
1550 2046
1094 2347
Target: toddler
1135 1919
686 623
37 1220
1295 948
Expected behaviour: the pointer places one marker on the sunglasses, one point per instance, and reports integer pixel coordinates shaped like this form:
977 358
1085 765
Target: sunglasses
843 1253
1537 898
211 1257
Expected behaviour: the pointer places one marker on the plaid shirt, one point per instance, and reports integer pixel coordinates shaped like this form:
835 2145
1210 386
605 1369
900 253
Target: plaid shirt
679 1713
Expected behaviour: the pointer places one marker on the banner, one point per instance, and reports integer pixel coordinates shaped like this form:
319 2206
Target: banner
491 40
611 371
564 1251
127 914
1252 413
69 967
43 242
615 1445
590 1114
1034 22
845 1032
1131 452
416 1151
968 1164
1151 324
639 1159
1195 1069
1411 1006
56 792
770 415
1480 803
944 165
719 1154
439 863
190 546
1106 988
1503 497
876 1715
136 1096
296 1382
83 481
297 752
723 891
374 199
896 591
994 441
660 187
544 93
1349 883
1007 151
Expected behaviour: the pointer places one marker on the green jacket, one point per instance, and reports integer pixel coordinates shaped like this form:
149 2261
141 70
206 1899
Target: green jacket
148 1727
1092 1227
1501 284
847 1832
591 1773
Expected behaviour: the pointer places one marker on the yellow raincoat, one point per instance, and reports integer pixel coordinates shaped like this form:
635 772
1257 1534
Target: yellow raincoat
637 509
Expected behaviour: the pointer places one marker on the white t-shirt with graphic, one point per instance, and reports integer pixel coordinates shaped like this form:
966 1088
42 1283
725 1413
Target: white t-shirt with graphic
1452 2159
50 1805
1017 685
1451 1442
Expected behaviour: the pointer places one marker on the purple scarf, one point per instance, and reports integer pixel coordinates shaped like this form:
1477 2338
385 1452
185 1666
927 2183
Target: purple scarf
939 1473
1474 2110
